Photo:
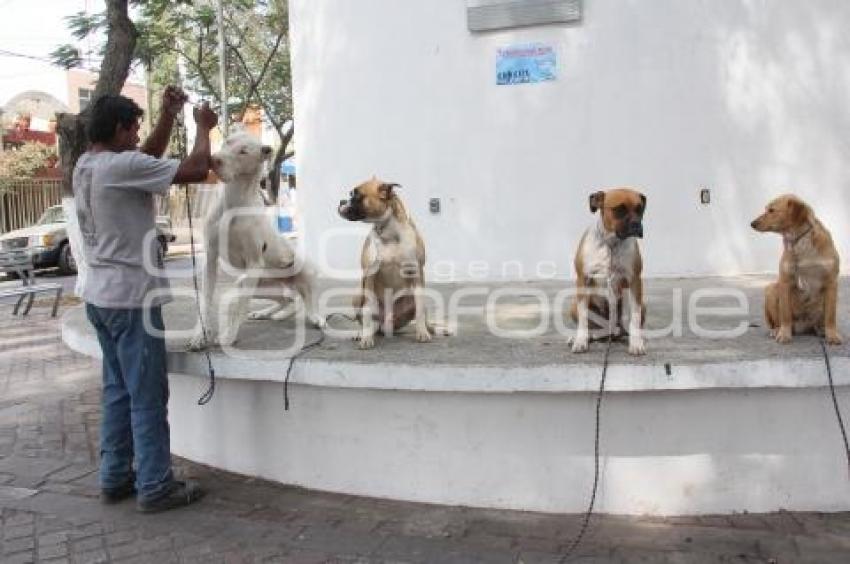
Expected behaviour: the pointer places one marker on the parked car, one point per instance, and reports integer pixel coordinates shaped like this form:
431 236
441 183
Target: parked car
47 242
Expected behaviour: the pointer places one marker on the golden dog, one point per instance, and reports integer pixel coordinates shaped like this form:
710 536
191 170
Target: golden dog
804 299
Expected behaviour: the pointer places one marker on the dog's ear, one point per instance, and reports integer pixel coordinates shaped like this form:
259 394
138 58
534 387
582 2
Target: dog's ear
596 201
386 190
798 212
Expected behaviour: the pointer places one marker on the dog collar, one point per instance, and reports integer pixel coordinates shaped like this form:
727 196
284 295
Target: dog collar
790 243
381 225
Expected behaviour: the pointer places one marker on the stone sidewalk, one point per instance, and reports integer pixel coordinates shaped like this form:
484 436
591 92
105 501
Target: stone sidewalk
49 511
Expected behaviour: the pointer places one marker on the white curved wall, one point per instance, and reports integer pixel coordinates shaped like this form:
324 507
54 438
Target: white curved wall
663 453
748 98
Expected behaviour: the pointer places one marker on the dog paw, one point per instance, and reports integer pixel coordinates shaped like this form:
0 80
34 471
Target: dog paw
423 335
365 342
833 338
579 344
783 336
283 314
637 347
440 330
773 332
317 321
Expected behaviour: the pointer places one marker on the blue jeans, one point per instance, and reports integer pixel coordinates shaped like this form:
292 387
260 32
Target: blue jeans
135 401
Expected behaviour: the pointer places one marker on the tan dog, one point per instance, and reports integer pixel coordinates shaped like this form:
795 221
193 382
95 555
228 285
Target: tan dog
608 269
393 261
805 297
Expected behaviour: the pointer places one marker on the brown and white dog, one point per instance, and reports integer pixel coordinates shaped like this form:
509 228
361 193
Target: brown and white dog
804 299
608 270
393 262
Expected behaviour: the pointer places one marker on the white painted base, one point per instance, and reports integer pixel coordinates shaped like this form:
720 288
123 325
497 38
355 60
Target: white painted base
746 435
664 452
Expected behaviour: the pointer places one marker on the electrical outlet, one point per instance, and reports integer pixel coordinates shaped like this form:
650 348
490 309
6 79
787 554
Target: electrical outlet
434 205
705 196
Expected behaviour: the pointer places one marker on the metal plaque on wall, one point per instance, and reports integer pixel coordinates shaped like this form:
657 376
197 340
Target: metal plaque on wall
483 15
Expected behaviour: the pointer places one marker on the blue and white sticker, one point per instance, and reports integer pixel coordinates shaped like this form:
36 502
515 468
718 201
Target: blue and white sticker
525 64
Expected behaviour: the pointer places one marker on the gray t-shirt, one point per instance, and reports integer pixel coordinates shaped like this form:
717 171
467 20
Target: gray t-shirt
114 194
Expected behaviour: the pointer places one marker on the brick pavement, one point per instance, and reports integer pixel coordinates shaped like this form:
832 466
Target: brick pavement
49 510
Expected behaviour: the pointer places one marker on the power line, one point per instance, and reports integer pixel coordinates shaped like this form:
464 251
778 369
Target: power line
91 64
5 53
27 74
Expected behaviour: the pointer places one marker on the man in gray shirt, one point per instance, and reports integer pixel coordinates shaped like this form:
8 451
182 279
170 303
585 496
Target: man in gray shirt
114 186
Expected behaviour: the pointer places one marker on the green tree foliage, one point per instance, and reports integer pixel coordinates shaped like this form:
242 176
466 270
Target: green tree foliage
24 162
177 42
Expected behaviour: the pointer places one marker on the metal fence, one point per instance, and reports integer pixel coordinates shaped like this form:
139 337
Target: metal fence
202 196
23 201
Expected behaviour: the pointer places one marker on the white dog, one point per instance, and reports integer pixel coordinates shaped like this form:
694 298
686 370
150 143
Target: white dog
238 232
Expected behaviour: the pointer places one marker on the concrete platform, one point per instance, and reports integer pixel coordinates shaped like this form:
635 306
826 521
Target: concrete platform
704 423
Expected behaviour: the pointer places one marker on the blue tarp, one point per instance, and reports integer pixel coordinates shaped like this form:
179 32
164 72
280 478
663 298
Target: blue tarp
287 167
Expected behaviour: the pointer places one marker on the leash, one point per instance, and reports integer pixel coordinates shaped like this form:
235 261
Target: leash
586 521
304 349
292 360
207 395
835 400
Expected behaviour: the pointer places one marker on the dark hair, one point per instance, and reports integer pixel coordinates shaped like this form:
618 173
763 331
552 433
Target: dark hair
107 112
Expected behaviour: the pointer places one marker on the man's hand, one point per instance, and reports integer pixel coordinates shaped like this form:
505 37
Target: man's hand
196 166
204 116
173 99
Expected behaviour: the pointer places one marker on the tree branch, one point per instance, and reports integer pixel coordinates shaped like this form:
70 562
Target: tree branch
254 90
255 83
197 66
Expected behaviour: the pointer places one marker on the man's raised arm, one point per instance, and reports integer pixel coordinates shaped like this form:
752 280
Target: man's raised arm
173 99
196 166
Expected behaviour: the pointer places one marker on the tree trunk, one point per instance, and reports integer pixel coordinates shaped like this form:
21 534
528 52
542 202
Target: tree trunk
279 157
71 129
120 44
274 174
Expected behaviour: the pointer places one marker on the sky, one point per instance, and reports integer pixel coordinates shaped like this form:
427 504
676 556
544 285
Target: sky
35 28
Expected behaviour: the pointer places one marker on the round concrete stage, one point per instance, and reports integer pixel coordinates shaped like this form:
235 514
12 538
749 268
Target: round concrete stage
716 418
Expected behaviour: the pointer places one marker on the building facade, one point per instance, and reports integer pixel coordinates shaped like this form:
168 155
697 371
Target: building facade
709 108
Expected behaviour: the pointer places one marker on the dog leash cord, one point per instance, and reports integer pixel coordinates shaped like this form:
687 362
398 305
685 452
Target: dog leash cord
312 345
586 521
292 360
207 395
835 402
